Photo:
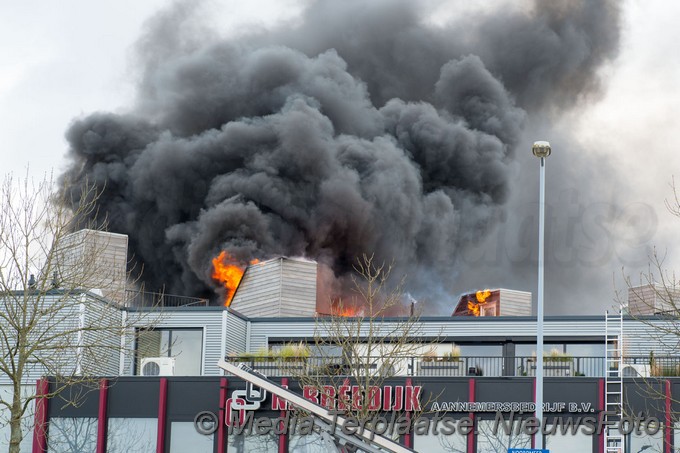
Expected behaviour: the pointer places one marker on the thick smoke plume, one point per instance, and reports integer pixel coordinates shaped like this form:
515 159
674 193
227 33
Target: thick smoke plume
361 129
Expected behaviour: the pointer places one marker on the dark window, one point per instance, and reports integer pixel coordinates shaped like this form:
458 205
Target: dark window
184 345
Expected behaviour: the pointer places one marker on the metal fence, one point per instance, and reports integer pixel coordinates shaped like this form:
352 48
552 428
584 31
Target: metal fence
149 299
495 366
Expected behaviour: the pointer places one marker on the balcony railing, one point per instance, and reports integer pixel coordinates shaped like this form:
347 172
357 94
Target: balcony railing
563 366
149 299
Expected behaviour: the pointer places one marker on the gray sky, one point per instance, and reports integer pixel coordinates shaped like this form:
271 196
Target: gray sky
62 60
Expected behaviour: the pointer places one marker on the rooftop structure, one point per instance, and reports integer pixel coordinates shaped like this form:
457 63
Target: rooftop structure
278 287
653 299
494 302
93 259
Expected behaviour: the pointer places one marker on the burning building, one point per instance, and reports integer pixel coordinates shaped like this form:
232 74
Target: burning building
277 287
496 302
477 362
291 287
329 139
285 287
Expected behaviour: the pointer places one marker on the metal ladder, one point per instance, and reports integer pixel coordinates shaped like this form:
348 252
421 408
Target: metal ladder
614 441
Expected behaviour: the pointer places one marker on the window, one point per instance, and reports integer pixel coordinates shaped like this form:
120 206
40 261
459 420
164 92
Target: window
185 438
489 309
185 345
588 358
445 443
314 443
481 350
131 435
310 443
637 443
529 350
565 440
72 435
254 443
490 440
586 349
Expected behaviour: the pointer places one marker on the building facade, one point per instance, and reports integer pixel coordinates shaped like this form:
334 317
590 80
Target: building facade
492 374
466 384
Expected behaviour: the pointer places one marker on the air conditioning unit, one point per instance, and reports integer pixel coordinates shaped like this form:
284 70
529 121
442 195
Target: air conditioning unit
635 370
158 366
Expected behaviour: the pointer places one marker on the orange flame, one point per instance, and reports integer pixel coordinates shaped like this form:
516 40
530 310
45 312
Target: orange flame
228 273
481 296
347 311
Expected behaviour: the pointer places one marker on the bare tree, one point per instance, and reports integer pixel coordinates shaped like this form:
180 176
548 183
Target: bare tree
50 324
656 291
652 299
365 341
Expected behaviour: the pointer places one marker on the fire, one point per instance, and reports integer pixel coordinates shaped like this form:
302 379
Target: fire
338 308
228 272
481 296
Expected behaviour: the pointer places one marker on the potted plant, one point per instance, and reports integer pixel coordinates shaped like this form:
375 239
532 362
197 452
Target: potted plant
263 360
293 357
430 356
449 364
294 352
453 355
555 363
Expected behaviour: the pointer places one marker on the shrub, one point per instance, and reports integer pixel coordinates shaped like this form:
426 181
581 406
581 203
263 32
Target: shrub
294 352
453 355
555 355
430 355
261 355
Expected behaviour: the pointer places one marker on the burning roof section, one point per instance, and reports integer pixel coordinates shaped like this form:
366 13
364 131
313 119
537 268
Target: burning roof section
494 302
277 287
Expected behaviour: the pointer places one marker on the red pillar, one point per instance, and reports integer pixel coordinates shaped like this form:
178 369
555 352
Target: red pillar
102 421
408 437
533 437
221 431
471 434
282 436
40 428
600 404
162 415
668 424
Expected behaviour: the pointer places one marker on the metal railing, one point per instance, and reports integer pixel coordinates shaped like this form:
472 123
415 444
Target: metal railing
148 299
488 366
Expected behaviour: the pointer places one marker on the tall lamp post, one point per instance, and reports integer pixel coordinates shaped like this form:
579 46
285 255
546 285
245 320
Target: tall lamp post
541 150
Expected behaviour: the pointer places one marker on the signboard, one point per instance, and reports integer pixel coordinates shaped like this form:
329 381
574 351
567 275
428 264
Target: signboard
527 450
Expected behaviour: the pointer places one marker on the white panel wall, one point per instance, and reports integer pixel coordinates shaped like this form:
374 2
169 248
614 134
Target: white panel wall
277 287
259 293
105 320
515 303
207 318
651 300
640 337
298 289
97 347
236 332
94 260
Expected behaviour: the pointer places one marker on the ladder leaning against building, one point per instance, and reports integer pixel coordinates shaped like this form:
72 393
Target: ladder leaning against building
614 441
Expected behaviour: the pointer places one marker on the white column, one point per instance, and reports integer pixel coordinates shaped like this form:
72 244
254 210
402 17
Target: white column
539 309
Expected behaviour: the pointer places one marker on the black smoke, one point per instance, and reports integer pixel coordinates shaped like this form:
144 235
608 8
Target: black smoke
363 128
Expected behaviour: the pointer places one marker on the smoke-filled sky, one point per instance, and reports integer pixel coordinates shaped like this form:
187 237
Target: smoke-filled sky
330 129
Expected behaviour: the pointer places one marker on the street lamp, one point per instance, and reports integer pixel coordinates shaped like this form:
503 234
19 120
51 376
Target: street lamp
541 150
